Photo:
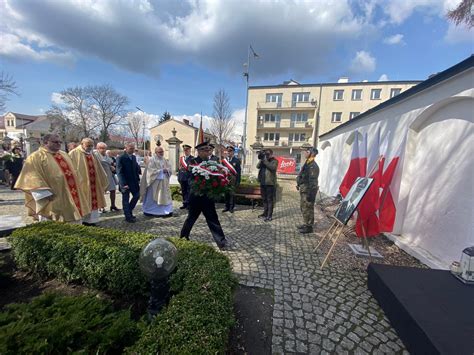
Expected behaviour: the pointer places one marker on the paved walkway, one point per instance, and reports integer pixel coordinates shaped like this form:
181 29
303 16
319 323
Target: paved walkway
329 311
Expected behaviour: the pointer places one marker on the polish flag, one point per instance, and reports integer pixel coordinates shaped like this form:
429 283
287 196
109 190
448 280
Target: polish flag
200 135
363 156
387 210
367 223
353 172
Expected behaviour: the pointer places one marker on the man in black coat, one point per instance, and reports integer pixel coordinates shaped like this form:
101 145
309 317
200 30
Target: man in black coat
232 163
183 175
128 172
204 204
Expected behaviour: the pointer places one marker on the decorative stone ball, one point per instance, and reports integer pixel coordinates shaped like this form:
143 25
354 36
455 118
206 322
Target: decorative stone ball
158 259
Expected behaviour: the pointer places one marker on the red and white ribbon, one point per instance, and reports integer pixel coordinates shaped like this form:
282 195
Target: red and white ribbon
182 162
229 166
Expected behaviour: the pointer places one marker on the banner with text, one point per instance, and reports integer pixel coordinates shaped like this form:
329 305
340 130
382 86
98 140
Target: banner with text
286 165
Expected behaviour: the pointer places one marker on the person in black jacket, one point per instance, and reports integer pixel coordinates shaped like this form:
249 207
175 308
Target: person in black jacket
183 174
128 172
14 166
204 205
232 163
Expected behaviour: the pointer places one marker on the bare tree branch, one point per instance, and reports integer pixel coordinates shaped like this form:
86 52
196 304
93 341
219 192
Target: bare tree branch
77 108
463 13
7 87
222 124
108 106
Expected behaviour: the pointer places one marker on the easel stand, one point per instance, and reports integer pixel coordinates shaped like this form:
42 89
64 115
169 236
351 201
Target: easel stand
333 234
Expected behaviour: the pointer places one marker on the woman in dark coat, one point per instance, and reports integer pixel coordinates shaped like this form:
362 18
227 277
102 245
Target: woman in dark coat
14 166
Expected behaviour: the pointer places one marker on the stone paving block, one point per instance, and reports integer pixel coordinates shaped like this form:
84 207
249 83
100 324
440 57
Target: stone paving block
332 307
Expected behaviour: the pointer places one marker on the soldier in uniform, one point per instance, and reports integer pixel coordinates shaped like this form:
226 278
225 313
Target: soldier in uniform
307 184
204 204
183 174
232 163
212 156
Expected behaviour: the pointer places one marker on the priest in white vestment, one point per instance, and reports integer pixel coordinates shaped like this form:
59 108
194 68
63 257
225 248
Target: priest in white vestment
155 190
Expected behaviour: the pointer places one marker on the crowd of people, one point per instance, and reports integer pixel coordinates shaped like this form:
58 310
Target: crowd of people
71 187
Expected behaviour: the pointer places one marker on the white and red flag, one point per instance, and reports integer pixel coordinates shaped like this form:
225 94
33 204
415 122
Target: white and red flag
353 172
388 210
367 223
363 156
200 134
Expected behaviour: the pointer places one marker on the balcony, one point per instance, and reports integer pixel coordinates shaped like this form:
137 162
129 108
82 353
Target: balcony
285 105
282 143
284 124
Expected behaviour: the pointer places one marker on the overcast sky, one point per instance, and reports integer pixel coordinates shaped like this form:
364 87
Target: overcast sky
174 55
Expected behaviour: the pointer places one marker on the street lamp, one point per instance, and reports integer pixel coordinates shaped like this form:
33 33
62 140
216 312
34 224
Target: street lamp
144 152
247 77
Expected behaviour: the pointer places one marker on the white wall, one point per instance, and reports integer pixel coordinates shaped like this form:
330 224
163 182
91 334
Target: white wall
434 197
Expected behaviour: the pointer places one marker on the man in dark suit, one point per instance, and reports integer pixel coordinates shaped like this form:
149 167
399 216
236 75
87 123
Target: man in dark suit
128 172
204 204
232 163
183 174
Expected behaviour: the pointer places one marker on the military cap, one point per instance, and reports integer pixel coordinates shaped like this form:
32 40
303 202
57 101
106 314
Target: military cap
186 146
231 147
203 145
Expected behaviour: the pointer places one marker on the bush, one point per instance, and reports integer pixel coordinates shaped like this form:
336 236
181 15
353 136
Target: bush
199 314
103 259
176 193
63 324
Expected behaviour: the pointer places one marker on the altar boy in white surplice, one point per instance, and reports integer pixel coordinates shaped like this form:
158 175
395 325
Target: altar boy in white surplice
155 190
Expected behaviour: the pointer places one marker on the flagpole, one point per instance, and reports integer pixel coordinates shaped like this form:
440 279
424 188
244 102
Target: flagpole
244 136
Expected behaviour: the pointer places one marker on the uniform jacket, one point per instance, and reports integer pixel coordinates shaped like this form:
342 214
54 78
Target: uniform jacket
235 162
183 174
128 172
307 179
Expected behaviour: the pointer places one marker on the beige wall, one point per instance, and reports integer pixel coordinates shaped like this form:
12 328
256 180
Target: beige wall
184 132
328 105
322 97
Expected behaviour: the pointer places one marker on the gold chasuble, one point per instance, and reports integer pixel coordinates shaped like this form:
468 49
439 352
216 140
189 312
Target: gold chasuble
92 179
53 175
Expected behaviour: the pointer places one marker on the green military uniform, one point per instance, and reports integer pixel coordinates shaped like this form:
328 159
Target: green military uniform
307 183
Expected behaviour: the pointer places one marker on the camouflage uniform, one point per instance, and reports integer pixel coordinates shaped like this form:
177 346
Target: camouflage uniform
307 183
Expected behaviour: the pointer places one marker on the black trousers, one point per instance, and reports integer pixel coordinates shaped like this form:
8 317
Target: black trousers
127 204
185 191
268 197
206 206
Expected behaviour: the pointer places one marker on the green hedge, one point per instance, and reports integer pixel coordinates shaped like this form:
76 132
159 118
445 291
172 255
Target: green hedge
199 314
54 324
176 193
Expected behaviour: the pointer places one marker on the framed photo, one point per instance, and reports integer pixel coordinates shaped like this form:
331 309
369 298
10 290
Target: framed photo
348 206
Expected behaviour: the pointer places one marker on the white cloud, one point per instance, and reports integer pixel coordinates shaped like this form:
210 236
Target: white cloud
395 39
56 98
400 10
459 34
363 62
210 33
383 77
12 46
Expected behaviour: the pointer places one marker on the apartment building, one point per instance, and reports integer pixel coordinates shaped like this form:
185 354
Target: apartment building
283 117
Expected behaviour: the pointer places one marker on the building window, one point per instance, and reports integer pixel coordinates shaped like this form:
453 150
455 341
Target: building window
299 117
336 117
394 92
271 117
356 94
273 98
300 97
271 137
375 94
297 137
353 114
338 95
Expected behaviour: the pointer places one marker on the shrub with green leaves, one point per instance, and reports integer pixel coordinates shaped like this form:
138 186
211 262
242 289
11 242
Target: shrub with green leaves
199 315
176 194
63 324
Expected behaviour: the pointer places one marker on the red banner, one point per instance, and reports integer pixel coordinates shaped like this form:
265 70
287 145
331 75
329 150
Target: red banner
286 165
